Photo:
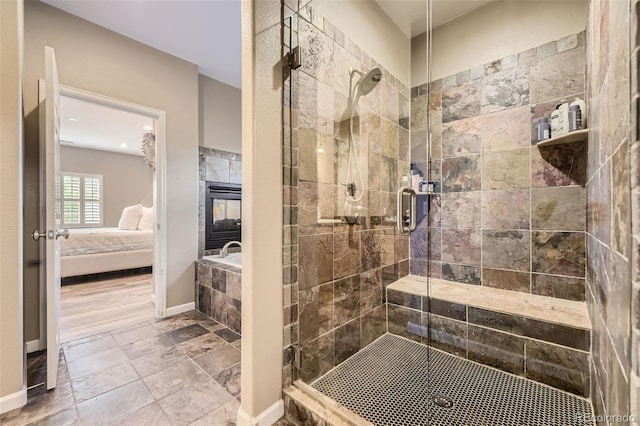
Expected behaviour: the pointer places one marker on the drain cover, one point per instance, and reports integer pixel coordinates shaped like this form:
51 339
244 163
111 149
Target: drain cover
442 401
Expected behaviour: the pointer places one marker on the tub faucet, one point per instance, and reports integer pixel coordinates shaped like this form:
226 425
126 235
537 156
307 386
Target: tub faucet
225 250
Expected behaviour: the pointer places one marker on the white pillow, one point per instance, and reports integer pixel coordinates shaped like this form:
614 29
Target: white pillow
130 217
146 221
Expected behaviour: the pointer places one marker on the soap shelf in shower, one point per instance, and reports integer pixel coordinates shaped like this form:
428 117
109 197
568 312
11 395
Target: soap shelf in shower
575 136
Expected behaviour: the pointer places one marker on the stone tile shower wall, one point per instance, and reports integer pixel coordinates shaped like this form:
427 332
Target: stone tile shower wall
608 205
507 214
215 166
634 374
335 272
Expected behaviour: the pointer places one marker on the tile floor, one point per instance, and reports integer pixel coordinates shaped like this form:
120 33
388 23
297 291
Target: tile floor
180 370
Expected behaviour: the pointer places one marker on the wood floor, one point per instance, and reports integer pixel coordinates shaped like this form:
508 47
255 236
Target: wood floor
96 307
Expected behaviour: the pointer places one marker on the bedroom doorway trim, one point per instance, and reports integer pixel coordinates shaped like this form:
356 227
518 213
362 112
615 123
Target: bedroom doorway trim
159 296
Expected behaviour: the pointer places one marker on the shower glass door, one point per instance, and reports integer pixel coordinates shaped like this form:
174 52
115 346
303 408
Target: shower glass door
478 315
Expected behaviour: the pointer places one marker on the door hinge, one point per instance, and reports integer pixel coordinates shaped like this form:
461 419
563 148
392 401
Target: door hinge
295 356
294 58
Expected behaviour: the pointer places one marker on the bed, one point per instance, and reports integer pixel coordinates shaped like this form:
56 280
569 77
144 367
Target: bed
95 250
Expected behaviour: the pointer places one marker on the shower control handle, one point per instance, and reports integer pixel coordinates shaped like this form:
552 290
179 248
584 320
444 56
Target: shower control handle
406 213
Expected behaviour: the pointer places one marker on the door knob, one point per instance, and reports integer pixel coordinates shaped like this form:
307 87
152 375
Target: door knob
36 235
62 233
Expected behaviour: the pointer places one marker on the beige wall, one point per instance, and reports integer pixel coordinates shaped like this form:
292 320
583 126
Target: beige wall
262 298
494 31
220 115
126 179
11 308
97 60
367 24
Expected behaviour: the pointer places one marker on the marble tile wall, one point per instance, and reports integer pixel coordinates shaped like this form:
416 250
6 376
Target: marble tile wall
506 214
634 375
335 272
214 166
609 205
219 293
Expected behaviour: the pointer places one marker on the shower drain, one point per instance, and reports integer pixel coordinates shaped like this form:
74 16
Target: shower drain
442 401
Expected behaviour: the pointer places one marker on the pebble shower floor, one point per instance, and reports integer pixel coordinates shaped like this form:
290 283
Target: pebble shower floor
389 383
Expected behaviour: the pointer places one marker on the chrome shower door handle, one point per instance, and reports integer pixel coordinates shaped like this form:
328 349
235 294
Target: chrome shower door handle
406 222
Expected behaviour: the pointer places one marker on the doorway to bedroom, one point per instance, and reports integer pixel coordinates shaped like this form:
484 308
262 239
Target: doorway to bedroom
107 165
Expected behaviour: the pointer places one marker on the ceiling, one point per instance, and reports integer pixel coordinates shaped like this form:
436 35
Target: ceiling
411 15
207 32
90 125
204 32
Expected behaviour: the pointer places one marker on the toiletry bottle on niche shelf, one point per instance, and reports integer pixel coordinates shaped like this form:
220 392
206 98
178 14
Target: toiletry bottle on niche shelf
563 118
583 110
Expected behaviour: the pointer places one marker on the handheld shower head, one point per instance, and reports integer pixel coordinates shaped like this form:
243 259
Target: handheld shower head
368 81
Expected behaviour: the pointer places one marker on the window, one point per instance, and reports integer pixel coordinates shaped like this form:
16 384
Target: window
81 200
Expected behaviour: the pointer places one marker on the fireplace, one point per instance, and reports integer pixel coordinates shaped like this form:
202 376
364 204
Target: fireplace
223 214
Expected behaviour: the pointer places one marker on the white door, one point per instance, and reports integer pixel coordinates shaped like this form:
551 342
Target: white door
50 210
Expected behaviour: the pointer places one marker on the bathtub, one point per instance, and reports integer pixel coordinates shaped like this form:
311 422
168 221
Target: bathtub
233 259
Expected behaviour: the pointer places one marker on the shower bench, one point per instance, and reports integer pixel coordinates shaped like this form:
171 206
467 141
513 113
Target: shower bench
542 338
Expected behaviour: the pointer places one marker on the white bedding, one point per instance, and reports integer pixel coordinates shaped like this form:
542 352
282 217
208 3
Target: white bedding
105 240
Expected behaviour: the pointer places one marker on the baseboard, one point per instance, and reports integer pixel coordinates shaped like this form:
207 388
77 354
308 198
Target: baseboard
266 418
13 400
33 346
175 310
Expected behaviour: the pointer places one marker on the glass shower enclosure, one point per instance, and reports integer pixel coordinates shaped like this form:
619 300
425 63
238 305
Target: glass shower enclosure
434 252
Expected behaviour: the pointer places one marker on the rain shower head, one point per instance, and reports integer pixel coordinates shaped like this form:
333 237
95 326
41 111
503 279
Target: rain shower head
367 81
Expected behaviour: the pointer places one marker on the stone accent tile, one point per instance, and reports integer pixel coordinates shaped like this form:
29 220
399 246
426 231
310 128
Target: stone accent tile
186 333
620 203
444 308
461 273
204 300
506 280
346 300
234 285
371 250
498 321
374 324
318 357
559 208
575 338
460 102
371 291
401 319
216 169
619 325
347 340
419 244
346 255
219 306
390 138
189 404
461 137
561 73
116 403
315 264
507 209
389 174
419 111
506 250
461 210
461 174
560 253
547 49
505 89
173 379
404 299
234 314
505 130
500 350
599 205
91 385
559 165
506 169
446 334
461 246
419 145
557 286
316 312
235 171
311 198
559 367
